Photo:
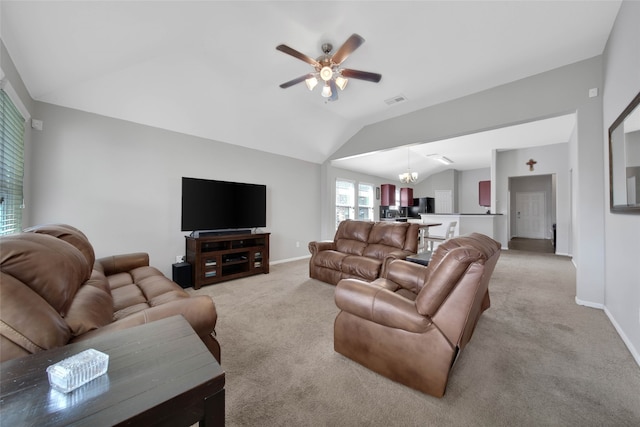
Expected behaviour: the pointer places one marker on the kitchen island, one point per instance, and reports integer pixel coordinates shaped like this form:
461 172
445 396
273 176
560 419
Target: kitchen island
487 224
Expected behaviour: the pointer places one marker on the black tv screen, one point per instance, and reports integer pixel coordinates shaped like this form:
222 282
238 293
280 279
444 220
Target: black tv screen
221 205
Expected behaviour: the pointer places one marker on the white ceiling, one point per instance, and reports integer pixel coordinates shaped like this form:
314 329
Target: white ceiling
210 68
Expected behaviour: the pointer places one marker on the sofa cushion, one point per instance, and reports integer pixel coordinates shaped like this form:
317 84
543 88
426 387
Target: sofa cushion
140 289
351 247
360 266
29 324
330 259
389 234
69 234
92 306
53 268
156 288
351 236
354 230
378 251
199 310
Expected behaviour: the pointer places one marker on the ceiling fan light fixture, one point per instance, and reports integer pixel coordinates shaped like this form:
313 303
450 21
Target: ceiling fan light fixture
327 68
326 90
311 82
341 82
326 73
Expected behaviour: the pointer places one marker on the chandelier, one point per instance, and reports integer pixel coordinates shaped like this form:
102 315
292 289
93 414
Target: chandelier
408 177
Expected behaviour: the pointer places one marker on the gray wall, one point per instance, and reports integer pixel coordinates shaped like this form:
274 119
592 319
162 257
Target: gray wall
120 183
622 246
468 194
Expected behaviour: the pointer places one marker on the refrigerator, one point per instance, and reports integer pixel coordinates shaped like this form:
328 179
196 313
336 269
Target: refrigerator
422 205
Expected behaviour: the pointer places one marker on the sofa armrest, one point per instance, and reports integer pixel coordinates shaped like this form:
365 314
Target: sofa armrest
379 305
322 245
409 275
122 263
397 254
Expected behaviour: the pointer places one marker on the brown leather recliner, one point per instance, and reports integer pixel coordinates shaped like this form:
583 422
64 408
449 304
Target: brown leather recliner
361 249
411 324
53 292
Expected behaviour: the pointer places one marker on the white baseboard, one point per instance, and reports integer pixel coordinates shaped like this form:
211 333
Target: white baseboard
634 352
282 261
590 304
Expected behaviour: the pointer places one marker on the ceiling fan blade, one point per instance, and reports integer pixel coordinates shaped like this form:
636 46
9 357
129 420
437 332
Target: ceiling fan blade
334 91
289 51
347 48
295 81
361 75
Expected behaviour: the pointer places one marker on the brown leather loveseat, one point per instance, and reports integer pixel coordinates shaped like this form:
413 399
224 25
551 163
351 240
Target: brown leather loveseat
361 249
411 324
54 292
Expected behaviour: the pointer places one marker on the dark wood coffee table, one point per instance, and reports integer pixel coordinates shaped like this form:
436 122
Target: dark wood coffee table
159 373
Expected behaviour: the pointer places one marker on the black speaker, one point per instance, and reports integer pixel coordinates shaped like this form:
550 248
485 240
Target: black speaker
182 274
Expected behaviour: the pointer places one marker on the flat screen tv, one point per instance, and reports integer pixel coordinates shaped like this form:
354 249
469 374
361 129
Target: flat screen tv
221 205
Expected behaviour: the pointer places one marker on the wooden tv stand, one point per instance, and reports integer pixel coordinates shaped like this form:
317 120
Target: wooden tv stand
217 258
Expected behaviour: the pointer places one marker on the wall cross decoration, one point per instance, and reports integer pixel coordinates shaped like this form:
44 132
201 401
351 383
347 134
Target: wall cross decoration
531 162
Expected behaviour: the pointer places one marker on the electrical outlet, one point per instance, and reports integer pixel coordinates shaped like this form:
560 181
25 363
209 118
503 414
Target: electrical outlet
297 244
179 258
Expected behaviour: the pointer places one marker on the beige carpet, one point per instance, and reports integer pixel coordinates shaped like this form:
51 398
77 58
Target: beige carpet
536 358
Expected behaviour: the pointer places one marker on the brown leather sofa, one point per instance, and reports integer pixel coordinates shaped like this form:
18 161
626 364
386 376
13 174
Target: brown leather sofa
53 292
411 324
361 249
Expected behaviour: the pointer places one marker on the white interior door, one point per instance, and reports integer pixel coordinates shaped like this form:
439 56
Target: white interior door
530 215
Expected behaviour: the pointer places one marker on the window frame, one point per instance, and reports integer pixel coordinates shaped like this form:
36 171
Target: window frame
14 117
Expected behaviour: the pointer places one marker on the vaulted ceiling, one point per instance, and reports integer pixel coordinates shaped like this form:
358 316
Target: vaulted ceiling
211 68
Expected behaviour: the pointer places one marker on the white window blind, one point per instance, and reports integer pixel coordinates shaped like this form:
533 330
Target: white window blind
365 202
11 166
345 200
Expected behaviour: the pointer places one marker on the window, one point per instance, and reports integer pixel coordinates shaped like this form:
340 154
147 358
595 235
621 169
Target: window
348 206
11 166
345 201
365 202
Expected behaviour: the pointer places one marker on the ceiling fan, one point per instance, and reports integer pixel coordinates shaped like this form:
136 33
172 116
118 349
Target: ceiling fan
327 68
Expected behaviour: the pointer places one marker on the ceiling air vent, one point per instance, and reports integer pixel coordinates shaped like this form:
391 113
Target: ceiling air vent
396 99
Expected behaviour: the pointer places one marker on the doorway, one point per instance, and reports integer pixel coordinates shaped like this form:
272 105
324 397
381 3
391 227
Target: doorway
532 213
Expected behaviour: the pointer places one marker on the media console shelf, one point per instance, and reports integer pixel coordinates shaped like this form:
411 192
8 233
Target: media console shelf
214 259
